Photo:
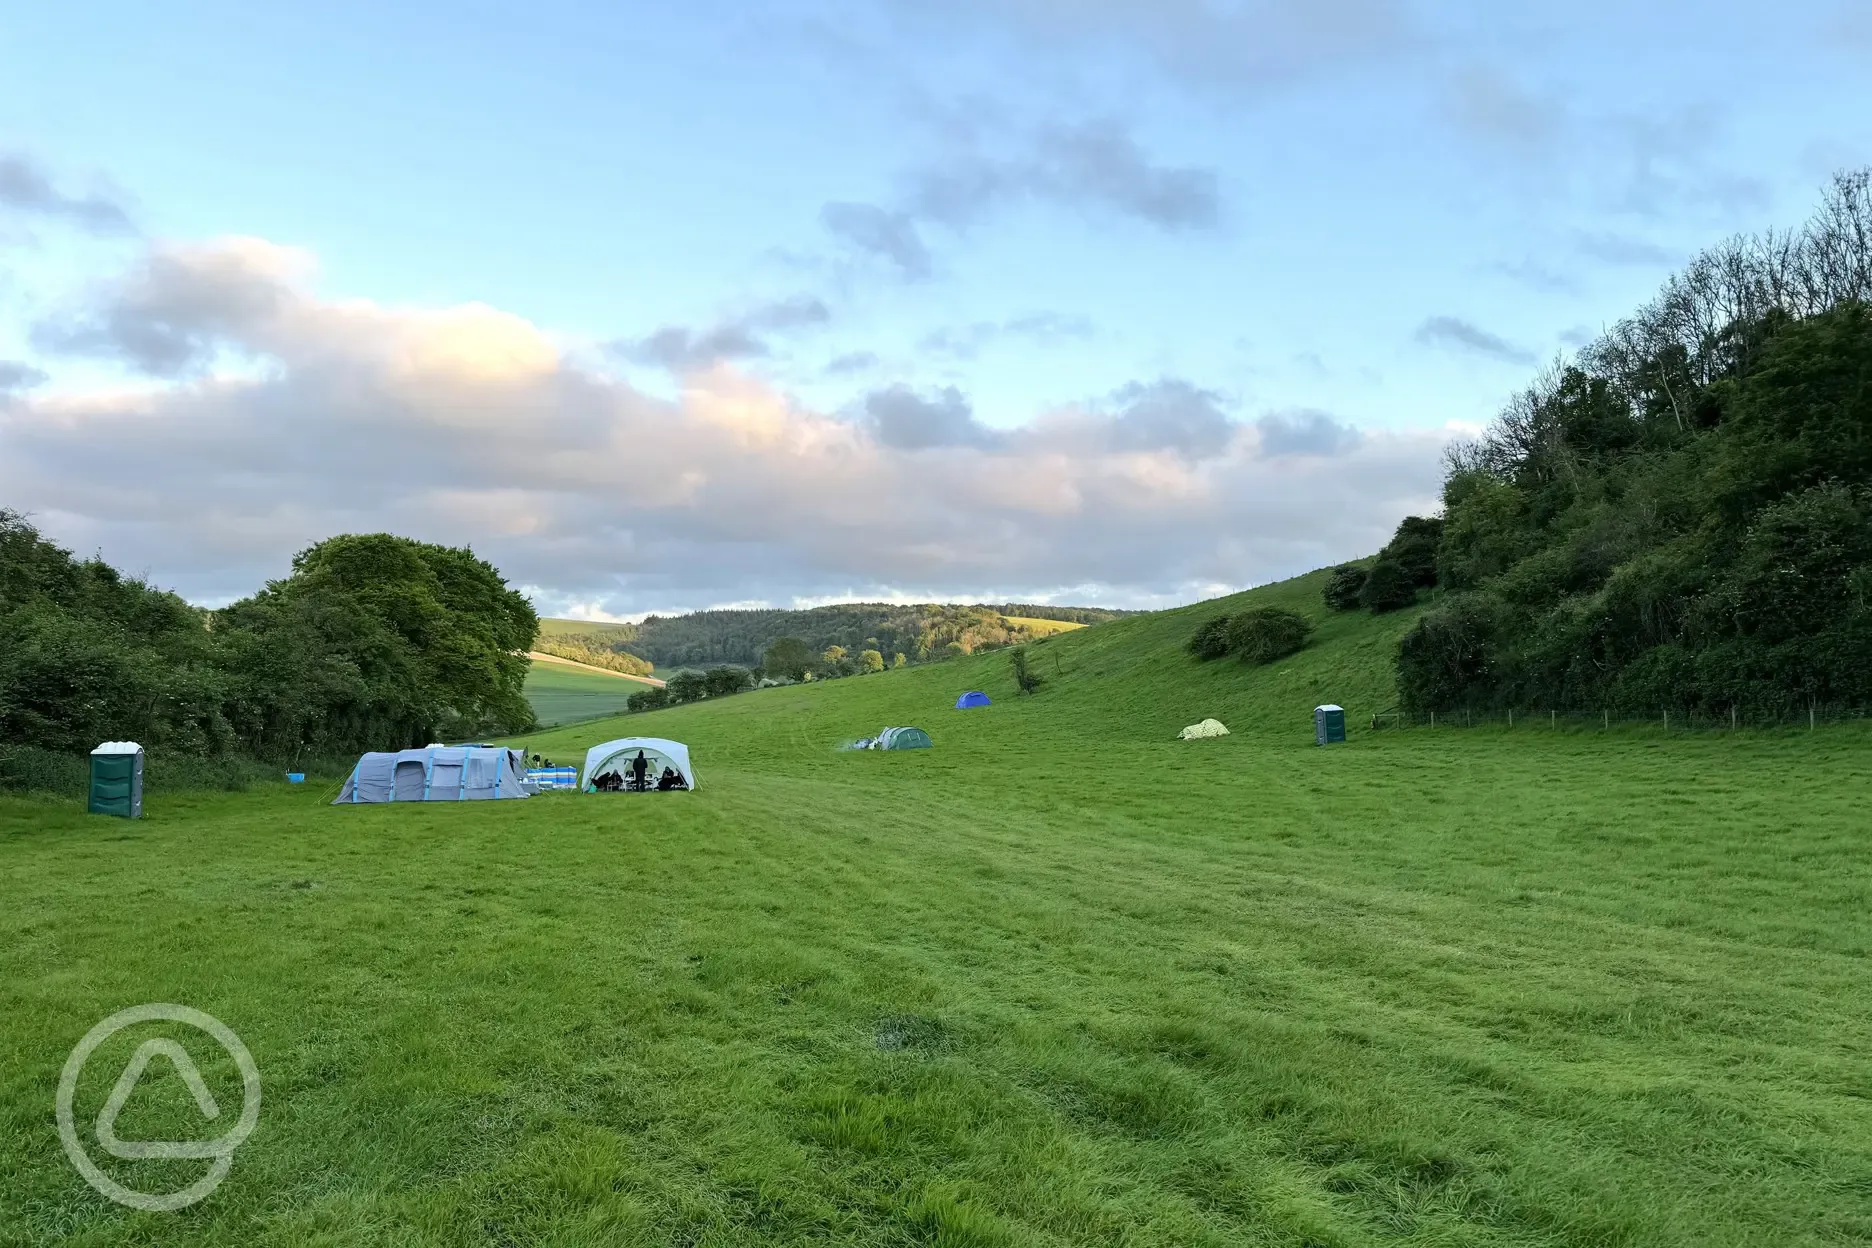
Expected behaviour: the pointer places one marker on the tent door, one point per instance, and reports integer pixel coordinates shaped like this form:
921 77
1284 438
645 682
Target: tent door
407 785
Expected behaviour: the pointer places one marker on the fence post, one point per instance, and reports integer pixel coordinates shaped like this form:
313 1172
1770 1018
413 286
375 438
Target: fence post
1605 717
1666 721
1511 717
1732 717
1433 719
1810 717
1553 718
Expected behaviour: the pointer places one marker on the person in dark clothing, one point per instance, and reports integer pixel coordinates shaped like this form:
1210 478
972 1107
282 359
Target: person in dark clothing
640 767
667 781
609 782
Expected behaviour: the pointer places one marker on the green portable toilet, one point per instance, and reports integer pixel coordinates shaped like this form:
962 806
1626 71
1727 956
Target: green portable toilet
117 780
1328 724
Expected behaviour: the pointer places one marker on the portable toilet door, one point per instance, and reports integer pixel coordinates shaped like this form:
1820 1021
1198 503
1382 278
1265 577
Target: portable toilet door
1328 725
116 780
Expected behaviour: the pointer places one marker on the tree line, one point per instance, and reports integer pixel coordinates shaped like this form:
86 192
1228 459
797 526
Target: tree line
372 642
1679 518
920 632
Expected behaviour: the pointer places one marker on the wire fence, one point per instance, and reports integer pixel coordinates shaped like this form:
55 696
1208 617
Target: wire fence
1732 720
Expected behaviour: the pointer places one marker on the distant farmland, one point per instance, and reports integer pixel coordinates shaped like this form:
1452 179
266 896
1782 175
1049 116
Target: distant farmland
564 693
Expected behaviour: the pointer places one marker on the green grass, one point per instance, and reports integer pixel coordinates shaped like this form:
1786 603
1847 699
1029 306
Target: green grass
564 695
551 627
1059 980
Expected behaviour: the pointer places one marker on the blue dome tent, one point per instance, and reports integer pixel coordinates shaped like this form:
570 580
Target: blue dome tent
973 697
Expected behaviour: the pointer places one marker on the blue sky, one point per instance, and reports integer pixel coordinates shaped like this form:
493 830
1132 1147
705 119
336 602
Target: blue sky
1367 212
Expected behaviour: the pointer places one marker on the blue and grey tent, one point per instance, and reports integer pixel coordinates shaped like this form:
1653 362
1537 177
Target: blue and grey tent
440 773
902 739
973 697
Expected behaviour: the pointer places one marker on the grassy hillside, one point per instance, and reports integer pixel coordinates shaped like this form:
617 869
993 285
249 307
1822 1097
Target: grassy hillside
562 694
702 638
550 627
1059 980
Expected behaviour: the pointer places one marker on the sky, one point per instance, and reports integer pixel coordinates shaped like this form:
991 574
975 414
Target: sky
668 306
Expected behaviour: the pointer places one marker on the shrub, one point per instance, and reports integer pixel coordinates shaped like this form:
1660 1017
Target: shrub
1211 639
1414 548
687 687
1267 633
726 678
1024 676
649 699
1343 587
1448 660
1388 587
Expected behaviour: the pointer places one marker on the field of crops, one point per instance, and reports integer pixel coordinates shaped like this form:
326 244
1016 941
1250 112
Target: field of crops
1059 980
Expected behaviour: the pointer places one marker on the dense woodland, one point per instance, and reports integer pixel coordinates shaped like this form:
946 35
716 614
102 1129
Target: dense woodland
1678 519
373 642
919 632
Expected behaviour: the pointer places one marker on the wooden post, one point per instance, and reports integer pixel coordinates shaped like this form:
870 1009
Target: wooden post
1511 717
1433 719
1553 719
1666 721
1606 717
1732 717
1810 717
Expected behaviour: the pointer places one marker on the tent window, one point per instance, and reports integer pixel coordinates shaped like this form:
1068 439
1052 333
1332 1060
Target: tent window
445 777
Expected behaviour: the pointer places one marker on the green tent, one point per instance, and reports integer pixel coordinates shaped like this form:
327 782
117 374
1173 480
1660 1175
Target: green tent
902 739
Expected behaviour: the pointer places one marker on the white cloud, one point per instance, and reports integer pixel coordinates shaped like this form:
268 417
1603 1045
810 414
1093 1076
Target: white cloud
466 425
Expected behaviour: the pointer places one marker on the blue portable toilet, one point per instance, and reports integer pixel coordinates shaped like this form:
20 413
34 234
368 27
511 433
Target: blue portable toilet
973 697
1328 724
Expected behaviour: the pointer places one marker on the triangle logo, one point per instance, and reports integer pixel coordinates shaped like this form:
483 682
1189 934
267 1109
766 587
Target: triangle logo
134 1150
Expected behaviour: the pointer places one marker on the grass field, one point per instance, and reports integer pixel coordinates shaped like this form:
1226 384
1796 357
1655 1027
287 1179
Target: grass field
562 694
1059 980
554 627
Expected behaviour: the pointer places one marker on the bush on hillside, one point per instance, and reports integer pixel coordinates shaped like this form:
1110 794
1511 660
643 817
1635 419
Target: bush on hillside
1211 639
1025 678
687 687
725 678
650 699
1267 633
1414 548
1388 587
1343 587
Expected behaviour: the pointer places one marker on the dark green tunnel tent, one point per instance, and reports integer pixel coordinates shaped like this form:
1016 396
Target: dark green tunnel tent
903 739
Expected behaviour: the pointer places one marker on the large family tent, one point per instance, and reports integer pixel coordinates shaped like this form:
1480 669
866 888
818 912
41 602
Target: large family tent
620 754
440 773
1208 728
902 739
973 697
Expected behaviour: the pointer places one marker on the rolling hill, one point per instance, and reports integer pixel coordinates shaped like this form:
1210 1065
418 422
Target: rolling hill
704 638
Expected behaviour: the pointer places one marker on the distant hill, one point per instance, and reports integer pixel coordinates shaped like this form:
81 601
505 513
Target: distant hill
916 631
